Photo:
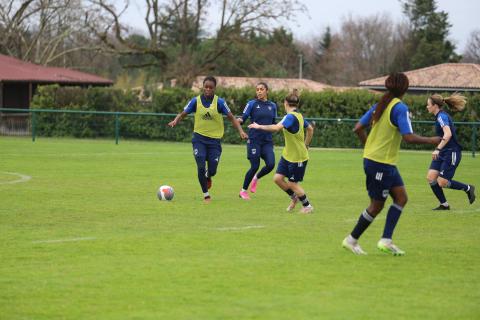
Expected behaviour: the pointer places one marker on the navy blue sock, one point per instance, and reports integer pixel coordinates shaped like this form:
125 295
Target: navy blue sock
304 200
254 164
290 192
438 192
202 179
452 184
393 215
364 221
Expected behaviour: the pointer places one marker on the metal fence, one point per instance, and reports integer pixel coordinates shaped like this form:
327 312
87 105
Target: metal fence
334 133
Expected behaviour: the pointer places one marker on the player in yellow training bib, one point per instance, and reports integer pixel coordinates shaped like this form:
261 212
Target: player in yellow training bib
208 131
293 163
390 123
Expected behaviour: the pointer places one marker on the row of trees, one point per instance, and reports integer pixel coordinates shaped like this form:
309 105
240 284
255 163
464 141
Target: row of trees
183 41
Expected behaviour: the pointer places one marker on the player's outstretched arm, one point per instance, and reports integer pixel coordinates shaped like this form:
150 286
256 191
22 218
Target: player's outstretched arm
177 119
269 127
359 130
236 125
416 139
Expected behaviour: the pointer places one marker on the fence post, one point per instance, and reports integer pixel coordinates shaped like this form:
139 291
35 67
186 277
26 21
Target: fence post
34 126
117 127
474 140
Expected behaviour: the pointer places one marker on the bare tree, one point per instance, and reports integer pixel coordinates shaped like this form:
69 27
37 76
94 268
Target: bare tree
179 43
363 50
472 51
41 31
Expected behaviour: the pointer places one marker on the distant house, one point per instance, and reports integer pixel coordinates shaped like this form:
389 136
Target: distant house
19 80
274 84
446 77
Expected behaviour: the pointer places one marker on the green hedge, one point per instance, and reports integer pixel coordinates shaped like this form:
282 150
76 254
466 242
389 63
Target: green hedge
350 104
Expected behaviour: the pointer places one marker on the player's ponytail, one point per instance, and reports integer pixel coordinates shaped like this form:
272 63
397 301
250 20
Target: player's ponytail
455 102
293 99
396 84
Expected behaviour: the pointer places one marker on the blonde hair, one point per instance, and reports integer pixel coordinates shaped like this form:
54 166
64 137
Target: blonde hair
455 101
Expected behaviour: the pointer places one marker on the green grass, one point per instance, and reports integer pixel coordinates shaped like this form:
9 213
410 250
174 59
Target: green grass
136 257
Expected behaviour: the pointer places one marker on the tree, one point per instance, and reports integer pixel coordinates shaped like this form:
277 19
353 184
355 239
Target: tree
324 44
358 52
472 51
42 31
428 43
179 43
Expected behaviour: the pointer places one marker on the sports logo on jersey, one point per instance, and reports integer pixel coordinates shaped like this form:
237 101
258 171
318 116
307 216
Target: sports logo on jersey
258 106
300 164
207 116
385 193
269 108
441 173
216 159
292 177
195 151
254 151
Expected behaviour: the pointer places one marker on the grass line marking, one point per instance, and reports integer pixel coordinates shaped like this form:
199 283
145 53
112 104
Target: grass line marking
23 178
239 228
65 240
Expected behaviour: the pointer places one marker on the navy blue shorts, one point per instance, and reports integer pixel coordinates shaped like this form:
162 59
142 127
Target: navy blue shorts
294 171
256 149
446 163
206 149
380 179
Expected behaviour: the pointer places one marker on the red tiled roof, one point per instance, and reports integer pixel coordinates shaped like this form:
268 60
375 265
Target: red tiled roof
12 69
446 76
274 84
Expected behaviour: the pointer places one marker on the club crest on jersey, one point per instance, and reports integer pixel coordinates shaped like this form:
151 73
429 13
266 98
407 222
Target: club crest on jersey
385 193
254 151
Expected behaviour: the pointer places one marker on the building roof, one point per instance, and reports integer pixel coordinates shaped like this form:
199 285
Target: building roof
274 84
15 70
446 76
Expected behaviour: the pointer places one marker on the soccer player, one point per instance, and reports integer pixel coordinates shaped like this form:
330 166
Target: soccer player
208 131
447 155
259 143
390 122
293 163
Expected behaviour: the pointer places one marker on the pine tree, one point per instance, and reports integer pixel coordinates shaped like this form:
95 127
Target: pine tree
428 42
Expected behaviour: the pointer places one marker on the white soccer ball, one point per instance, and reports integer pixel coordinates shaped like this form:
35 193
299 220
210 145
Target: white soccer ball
165 193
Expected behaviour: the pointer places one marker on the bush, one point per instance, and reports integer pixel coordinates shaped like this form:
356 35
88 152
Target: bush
346 105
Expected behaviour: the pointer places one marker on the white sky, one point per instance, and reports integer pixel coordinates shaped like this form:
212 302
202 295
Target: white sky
463 16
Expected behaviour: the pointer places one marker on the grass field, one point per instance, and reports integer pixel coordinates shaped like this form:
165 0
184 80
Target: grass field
86 238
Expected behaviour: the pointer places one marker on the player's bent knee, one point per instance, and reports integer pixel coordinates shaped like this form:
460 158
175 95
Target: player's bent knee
442 182
278 179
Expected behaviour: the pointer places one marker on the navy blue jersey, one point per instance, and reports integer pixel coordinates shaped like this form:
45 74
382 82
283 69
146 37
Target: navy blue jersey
222 106
444 119
290 122
399 117
261 112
